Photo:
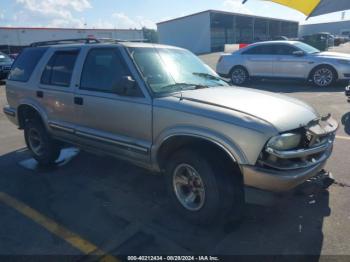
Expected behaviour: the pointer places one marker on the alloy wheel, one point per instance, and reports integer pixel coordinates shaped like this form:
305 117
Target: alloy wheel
35 142
188 187
238 76
323 77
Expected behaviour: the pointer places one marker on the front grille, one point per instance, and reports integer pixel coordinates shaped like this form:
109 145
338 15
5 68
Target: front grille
310 140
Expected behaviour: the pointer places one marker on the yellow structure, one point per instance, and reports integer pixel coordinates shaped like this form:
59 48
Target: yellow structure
304 6
314 7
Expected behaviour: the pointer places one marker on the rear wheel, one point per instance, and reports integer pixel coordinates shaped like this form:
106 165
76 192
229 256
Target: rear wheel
201 190
239 75
323 76
44 149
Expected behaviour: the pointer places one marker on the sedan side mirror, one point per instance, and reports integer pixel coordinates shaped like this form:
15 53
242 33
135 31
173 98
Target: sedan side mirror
298 53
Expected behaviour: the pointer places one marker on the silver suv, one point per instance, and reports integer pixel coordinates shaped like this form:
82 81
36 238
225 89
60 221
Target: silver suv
161 108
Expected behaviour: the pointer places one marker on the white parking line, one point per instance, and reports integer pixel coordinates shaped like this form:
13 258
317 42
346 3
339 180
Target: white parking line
343 137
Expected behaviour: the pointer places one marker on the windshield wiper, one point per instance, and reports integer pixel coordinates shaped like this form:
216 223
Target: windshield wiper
206 75
210 77
184 86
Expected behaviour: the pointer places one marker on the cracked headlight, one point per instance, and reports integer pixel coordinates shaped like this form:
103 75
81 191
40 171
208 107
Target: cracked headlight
285 141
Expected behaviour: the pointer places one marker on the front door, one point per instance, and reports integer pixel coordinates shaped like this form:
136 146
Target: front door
108 117
288 65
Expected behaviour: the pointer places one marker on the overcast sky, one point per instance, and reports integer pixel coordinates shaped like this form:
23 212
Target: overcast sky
131 13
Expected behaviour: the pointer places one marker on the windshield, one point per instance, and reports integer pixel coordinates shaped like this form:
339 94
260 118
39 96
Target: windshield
306 48
169 70
4 58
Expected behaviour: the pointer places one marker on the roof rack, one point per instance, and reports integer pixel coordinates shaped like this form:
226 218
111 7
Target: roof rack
66 41
83 41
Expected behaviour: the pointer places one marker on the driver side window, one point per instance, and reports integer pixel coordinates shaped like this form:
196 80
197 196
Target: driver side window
285 50
104 71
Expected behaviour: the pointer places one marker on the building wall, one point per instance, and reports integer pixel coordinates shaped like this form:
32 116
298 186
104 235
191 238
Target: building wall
335 28
26 36
192 32
210 30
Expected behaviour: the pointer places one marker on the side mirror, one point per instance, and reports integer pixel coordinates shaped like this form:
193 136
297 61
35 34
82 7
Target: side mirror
127 83
298 53
127 86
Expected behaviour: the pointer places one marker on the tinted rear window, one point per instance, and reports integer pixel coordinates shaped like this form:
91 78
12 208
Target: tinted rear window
58 71
25 64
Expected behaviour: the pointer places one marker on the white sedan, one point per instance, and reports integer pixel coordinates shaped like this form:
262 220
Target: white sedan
286 60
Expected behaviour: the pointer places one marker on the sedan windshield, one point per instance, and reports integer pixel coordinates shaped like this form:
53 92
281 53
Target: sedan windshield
306 48
168 70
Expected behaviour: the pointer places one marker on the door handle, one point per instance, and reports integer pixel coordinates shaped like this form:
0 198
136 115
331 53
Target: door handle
40 94
78 101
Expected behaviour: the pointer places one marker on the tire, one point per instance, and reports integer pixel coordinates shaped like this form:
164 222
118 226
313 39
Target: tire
220 197
239 76
323 76
44 149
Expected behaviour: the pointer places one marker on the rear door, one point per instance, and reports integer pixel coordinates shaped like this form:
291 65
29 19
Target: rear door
56 91
259 60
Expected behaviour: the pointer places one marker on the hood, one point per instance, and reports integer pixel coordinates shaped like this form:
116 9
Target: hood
333 55
283 112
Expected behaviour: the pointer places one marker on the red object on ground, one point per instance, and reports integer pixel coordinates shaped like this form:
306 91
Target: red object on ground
243 46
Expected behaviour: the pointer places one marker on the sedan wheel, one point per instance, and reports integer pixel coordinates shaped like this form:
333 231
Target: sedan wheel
323 77
239 76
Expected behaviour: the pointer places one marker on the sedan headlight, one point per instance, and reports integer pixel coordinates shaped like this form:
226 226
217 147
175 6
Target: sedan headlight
284 141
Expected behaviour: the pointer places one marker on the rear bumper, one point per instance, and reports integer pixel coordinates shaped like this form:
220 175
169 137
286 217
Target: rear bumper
280 180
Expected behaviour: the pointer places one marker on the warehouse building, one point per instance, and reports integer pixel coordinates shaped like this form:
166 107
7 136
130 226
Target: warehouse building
14 38
335 28
210 30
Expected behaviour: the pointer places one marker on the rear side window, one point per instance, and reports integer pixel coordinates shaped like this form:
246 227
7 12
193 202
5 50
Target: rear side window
59 69
25 64
260 50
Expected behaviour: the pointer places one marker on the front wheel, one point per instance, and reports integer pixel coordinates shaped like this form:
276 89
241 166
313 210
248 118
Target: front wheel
44 149
202 191
323 76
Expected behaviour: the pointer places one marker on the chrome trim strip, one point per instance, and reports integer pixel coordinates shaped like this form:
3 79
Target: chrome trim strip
98 138
61 128
9 111
112 141
300 152
306 164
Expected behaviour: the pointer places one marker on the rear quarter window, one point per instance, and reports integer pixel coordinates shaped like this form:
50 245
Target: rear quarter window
25 64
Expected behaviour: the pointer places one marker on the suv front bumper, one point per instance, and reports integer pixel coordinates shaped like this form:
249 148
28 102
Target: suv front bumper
279 171
281 180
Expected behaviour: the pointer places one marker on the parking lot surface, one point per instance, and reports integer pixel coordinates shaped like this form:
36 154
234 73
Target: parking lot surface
99 205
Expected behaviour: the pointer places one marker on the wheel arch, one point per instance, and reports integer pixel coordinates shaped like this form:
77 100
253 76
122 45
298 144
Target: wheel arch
321 65
29 111
239 66
175 142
